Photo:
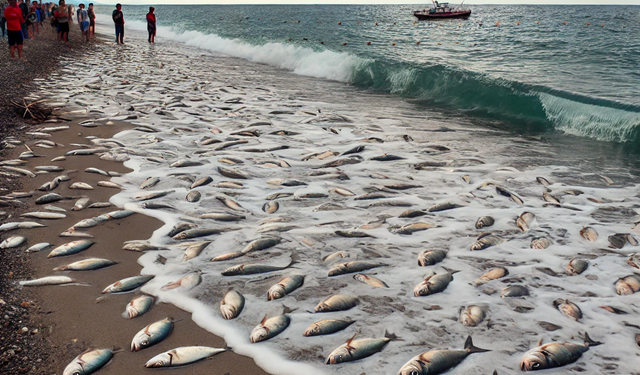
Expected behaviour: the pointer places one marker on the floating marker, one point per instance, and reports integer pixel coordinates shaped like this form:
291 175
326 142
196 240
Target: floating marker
368 43
339 23
418 43
393 44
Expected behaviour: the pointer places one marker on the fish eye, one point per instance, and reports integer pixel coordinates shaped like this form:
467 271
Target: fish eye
535 365
144 342
77 373
414 372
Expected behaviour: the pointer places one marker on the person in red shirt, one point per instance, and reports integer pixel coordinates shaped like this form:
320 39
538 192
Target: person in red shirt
151 25
13 14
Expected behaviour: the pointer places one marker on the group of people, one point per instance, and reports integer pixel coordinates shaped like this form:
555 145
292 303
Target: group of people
118 20
21 20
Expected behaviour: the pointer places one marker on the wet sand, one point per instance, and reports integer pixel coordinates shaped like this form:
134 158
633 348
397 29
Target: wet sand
79 316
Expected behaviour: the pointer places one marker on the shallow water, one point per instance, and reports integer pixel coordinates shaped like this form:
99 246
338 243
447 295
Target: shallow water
189 94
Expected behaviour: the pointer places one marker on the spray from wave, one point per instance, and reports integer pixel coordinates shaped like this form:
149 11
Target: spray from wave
532 107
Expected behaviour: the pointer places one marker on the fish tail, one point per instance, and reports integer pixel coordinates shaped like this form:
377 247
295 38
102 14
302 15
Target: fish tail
589 342
391 336
468 346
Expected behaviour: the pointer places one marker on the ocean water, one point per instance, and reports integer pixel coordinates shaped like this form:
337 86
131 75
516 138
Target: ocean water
571 69
494 122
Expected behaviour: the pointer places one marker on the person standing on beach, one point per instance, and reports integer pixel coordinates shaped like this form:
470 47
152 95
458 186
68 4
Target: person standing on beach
151 25
13 14
25 11
83 21
34 18
92 21
118 20
62 16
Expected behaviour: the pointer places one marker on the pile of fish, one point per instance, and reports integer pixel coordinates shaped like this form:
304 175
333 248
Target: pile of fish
299 222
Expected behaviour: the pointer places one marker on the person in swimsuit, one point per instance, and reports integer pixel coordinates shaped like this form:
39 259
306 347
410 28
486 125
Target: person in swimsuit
118 20
151 25
13 14
83 21
62 16
92 21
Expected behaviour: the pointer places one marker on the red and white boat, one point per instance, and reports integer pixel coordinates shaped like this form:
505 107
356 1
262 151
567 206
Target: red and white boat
442 10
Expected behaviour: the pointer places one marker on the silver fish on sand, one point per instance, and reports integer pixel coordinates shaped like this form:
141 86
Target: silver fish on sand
231 305
486 240
554 354
431 257
88 362
589 234
86 265
634 260
336 302
194 249
38 247
576 266
433 284
13 241
525 220
351 267
628 285
44 215
193 196
183 356
269 328
251 269
352 350
492 274
138 306
152 334
472 315
69 248
484 221
185 283
127 284
284 287
327 327
438 361
540 243
568 309
370 280
513 291
48 280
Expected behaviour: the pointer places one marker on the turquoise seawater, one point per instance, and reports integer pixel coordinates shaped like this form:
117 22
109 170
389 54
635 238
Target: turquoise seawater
531 69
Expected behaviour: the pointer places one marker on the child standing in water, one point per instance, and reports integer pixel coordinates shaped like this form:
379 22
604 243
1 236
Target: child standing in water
151 25
118 20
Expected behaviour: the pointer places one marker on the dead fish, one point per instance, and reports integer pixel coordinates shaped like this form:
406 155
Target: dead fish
88 264
412 213
327 327
513 291
138 306
618 240
568 309
431 257
354 150
150 182
543 181
201 182
110 184
194 249
415 227
443 207
574 192
96 171
44 215
370 280
230 160
472 315
554 354
540 243
48 280
180 227
185 283
614 310
550 198
352 234
284 287
576 266
433 284
231 203
589 234
270 207
69 248
386 157
260 244
337 302
351 267
503 191
524 221
486 240
484 221
492 274
231 305
344 192
634 260
13 241
232 173
50 198
152 195
196 232
354 350
81 186
127 284
193 196
184 164
80 204
344 161
38 247
251 269
628 285
320 155
335 256
100 205
223 216
269 328
439 361
183 355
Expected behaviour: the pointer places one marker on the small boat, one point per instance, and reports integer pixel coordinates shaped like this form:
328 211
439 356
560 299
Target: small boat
442 10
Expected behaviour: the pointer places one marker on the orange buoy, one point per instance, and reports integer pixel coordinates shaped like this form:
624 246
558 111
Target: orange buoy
537 23
457 42
564 23
376 24
602 25
498 23
587 23
393 44
415 22
344 44
439 44
368 43
339 23
518 23
358 22
418 43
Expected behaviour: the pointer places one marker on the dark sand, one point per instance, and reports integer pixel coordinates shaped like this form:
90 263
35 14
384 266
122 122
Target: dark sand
63 321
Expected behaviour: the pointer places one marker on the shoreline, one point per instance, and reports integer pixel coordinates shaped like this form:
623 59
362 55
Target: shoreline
62 321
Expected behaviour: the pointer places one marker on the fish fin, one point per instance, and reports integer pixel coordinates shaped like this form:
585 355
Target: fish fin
495 372
468 346
287 310
539 342
391 336
589 342
263 320
349 341
450 270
